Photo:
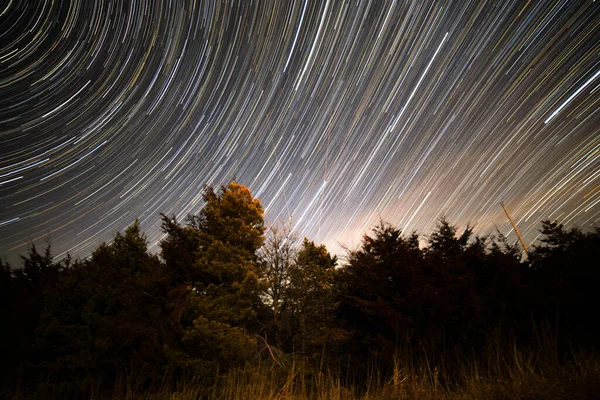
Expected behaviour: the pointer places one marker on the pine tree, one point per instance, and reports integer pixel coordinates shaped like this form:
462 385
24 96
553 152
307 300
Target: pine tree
105 316
312 298
214 310
380 281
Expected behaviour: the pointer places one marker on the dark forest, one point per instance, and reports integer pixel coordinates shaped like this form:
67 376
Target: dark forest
229 297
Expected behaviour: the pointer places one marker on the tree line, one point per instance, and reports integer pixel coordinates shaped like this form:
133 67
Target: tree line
225 291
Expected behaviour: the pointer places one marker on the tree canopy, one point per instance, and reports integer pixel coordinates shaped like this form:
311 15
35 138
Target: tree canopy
224 287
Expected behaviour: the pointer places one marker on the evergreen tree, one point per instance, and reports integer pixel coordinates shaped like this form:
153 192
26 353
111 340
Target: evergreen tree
454 308
24 292
312 299
501 279
105 317
564 279
214 311
379 281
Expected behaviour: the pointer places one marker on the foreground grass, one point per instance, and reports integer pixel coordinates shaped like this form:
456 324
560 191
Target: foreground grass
518 376
502 373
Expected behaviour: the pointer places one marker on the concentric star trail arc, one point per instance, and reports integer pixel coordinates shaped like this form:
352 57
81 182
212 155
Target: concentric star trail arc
336 114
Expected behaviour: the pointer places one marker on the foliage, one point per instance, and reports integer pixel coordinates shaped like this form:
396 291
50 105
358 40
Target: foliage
302 292
214 302
106 314
378 281
312 299
218 292
22 296
565 278
450 293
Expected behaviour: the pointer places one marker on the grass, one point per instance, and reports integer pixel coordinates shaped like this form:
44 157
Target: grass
513 376
503 372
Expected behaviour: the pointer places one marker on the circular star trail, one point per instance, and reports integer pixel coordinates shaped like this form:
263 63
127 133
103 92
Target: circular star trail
335 113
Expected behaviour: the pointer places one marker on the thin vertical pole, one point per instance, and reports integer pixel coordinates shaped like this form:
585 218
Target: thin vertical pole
515 228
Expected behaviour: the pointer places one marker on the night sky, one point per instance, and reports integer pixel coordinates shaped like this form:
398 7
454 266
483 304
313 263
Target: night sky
335 113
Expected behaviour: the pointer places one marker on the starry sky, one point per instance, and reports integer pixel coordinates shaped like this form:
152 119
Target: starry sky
337 114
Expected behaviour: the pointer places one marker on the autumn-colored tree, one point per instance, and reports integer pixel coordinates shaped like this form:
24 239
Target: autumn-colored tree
214 311
232 216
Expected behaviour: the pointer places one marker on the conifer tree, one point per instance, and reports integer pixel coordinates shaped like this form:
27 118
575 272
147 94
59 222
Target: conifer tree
215 309
312 296
564 278
380 280
105 316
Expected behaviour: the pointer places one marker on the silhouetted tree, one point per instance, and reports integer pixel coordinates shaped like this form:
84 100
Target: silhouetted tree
199 309
501 276
24 299
564 279
454 308
448 295
179 248
10 346
378 304
311 299
276 259
106 315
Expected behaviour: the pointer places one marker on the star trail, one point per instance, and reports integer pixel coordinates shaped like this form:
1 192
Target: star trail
336 114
